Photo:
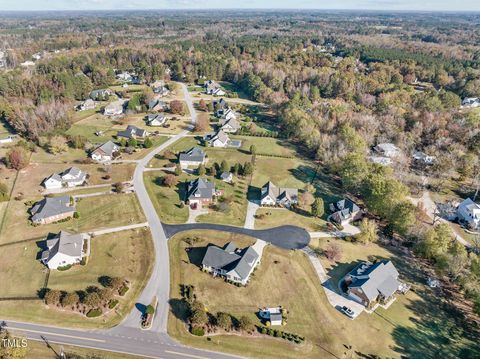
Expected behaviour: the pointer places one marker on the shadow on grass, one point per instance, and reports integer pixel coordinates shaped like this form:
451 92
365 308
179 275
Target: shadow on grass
180 309
253 193
196 254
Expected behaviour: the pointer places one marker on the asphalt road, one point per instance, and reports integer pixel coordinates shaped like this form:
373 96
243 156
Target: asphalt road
288 237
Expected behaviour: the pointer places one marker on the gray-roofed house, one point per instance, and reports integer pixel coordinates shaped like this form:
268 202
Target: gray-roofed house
221 107
345 211
272 195
193 157
226 177
218 139
65 249
71 177
213 88
105 152
52 209
156 120
468 212
157 105
132 132
371 283
159 88
101 94
200 192
229 126
231 263
88 104
113 108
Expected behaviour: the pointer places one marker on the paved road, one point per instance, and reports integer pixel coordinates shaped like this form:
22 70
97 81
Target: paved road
120 340
288 237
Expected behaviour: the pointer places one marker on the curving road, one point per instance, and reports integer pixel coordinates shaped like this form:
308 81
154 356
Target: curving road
287 237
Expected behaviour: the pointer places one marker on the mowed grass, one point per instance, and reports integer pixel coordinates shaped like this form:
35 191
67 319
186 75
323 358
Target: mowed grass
417 324
274 217
236 194
266 145
283 278
184 144
97 212
127 254
292 173
167 200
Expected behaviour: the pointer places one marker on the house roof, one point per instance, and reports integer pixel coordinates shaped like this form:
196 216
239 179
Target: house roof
51 206
228 259
55 177
220 103
220 136
277 193
72 171
64 243
194 154
344 209
132 131
115 106
387 147
200 189
375 279
233 123
108 148
470 207
226 175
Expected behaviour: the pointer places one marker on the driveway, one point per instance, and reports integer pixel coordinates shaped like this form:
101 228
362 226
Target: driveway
251 211
348 230
287 237
336 300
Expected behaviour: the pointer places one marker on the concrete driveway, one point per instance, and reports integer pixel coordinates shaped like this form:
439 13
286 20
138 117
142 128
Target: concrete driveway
287 237
251 211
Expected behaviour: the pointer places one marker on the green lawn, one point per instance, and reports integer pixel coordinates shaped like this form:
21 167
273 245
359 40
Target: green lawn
282 172
182 145
274 217
267 146
127 254
167 200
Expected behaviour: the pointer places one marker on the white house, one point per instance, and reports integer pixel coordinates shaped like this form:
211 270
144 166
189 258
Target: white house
213 88
468 212
193 157
219 139
105 152
230 126
71 177
156 120
272 195
471 102
227 177
423 157
65 249
88 104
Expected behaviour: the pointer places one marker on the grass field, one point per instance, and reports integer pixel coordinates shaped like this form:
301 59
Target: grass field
287 278
95 213
274 217
167 200
182 145
282 172
126 254
266 145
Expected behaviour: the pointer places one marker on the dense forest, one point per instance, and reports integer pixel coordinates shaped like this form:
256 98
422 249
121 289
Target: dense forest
337 87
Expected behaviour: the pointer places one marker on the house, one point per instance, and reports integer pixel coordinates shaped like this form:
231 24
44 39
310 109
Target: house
88 104
113 108
344 211
227 177
213 88
156 120
220 107
65 249
231 263
52 209
200 192
105 152
219 139
228 114
157 105
230 126
272 195
468 212
371 283
69 178
380 160
132 132
159 88
125 77
101 94
423 157
193 157
471 102
8 139
387 150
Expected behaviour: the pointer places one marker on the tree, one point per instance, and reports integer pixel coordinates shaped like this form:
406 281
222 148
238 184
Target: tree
245 323
202 105
132 142
105 294
224 167
436 242
201 125
368 231
70 299
332 252
78 141
18 158
210 107
253 149
201 170
149 310
198 315
57 144
92 299
236 168
178 170
318 207
402 216
247 169
353 170
116 283
177 107
52 297
305 199
147 143
224 320
170 180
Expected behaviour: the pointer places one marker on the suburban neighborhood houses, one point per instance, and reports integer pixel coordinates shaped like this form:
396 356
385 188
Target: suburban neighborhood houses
259 184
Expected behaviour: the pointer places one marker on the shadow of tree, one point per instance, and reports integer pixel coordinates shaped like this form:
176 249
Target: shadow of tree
179 308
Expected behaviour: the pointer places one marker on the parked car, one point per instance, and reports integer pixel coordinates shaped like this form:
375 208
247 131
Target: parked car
347 311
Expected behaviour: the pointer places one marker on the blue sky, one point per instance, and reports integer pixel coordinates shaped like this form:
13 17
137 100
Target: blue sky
425 5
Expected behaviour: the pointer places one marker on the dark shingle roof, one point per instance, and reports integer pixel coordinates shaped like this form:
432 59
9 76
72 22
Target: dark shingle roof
194 154
200 189
51 206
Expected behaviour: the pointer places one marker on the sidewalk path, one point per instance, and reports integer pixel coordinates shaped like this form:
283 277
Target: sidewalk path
77 188
99 232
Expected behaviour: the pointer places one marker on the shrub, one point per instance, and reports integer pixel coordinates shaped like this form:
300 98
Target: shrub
64 268
92 313
123 291
70 299
198 331
76 215
112 304
150 309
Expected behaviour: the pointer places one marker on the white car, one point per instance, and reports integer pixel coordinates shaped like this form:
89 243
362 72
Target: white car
347 311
